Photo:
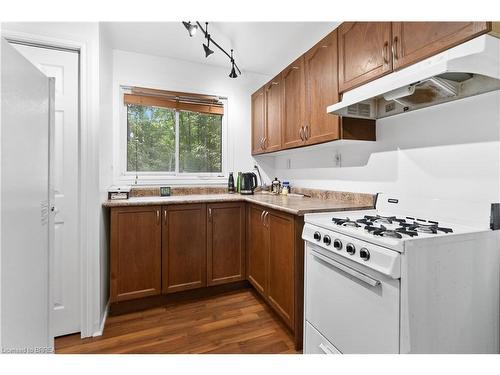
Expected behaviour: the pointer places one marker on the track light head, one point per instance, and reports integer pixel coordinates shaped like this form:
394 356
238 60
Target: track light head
190 28
206 47
233 73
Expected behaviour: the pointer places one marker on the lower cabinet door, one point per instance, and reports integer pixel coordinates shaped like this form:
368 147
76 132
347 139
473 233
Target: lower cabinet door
135 252
281 265
225 243
257 249
183 247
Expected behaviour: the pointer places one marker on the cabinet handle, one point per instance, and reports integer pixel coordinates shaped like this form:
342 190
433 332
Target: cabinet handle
307 132
325 349
264 142
210 214
385 52
395 48
165 216
295 67
265 217
301 132
262 217
157 216
275 83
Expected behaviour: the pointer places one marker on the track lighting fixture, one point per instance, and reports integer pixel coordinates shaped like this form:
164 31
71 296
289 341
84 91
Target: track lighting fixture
206 47
192 28
233 72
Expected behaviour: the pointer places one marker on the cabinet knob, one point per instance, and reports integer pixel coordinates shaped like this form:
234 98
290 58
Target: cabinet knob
395 48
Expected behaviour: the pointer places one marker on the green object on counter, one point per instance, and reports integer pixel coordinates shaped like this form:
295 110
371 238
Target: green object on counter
238 183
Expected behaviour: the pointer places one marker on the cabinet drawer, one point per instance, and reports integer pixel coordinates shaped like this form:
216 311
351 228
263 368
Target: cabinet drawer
316 343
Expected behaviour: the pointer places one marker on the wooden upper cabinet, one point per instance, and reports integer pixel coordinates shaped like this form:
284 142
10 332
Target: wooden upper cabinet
135 252
225 242
184 241
364 52
293 81
257 249
273 115
322 90
258 121
415 41
281 268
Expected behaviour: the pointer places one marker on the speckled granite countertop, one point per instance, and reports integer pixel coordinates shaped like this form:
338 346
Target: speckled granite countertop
291 204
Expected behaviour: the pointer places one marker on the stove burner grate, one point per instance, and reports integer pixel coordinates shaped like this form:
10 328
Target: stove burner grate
432 228
345 222
369 219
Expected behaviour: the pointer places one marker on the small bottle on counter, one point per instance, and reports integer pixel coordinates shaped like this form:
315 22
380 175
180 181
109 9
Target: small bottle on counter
275 186
285 189
230 183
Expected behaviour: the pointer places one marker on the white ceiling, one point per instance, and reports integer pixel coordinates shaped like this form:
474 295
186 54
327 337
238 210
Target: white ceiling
260 47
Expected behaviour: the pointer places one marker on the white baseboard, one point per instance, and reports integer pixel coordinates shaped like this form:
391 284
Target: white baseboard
103 322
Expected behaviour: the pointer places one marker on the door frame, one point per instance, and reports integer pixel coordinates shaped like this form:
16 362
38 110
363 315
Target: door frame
89 260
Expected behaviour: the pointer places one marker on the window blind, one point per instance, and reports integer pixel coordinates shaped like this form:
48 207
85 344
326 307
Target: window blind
176 100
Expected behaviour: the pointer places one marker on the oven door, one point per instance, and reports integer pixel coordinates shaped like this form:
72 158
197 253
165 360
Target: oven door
352 306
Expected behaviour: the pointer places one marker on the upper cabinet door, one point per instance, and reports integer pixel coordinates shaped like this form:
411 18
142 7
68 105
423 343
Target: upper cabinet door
258 122
293 131
364 52
322 90
414 41
272 136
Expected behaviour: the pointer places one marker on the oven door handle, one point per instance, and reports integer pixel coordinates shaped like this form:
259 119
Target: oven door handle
358 275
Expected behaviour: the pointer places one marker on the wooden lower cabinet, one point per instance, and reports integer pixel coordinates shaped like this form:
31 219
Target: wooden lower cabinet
225 243
135 253
183 247
281 265
257 249
166 249
275 262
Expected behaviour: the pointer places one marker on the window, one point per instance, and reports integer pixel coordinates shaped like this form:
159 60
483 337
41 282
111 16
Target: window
174 134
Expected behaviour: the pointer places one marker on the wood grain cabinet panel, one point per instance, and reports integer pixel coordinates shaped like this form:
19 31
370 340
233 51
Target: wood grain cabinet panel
184 241
258 121
257 249
273 115
225 243
415 41
135 252
322 90
293 82
281 267
364 52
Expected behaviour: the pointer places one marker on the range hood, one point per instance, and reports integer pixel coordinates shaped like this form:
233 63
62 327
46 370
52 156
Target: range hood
469 69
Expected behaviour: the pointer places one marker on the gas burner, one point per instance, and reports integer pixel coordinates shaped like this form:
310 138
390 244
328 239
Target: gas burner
368 219
345 222
384 232
432 228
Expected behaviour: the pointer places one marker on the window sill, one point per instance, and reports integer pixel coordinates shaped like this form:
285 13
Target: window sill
170 180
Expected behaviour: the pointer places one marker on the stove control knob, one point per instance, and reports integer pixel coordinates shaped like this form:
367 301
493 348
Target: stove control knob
351 250
337 244
317 236
327 240
364 254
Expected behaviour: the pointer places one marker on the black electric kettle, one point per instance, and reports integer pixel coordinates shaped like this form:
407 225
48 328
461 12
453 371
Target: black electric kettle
248 183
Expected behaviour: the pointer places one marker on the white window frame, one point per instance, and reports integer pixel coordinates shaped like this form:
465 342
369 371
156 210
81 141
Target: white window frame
148 178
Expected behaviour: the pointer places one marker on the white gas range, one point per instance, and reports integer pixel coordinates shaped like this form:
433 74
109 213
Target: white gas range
411 276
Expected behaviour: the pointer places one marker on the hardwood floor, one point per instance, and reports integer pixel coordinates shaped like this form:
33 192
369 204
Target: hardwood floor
235 322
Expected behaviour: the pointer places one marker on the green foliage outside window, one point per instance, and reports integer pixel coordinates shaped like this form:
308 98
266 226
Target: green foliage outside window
151 140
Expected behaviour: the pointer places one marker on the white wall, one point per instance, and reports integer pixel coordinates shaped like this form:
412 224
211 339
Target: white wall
133 69
446 151
85 34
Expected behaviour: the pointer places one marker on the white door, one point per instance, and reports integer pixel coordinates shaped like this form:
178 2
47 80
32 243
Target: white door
65 261
24 222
